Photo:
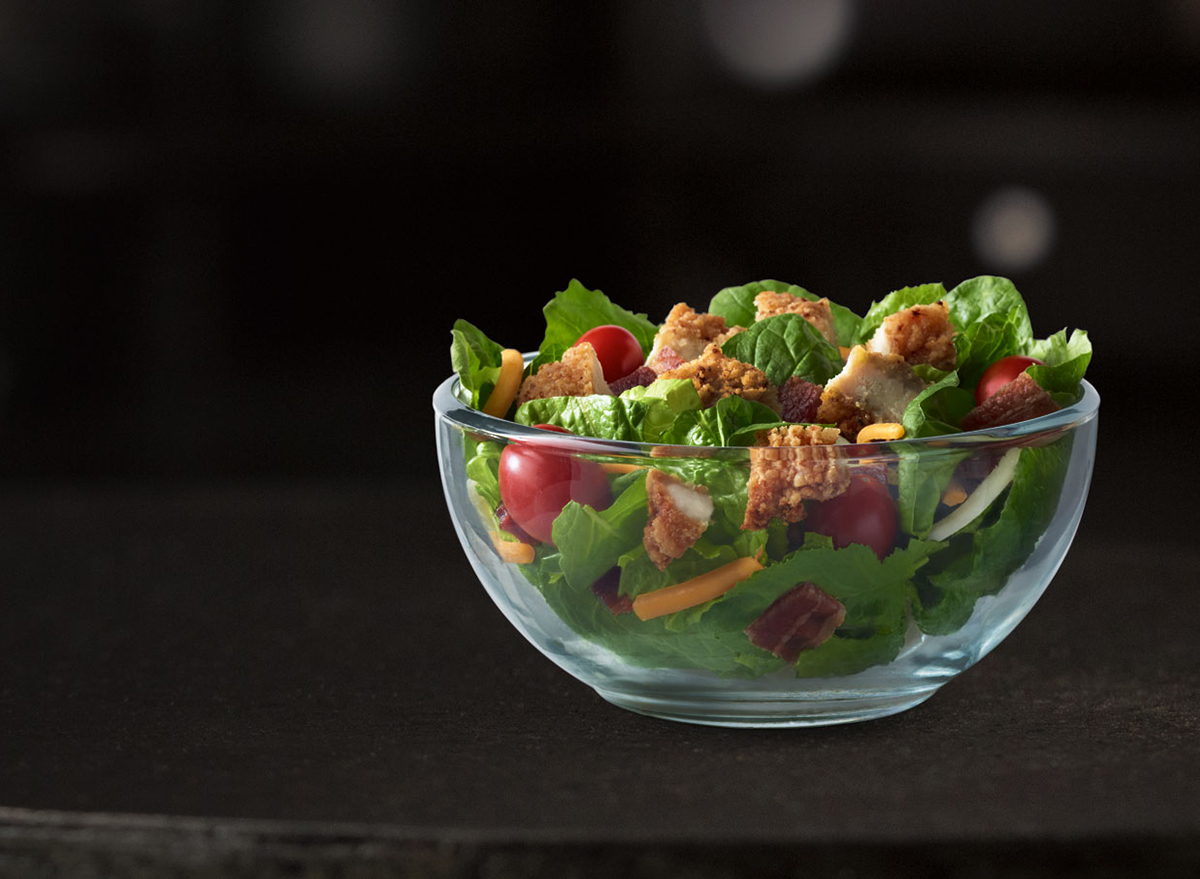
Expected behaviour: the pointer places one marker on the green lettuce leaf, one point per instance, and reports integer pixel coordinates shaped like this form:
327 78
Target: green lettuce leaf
731 421
476 359
783 346
991 321
665 400
596 415
1066 361
980 559
736 305
591 541
574 311
897 300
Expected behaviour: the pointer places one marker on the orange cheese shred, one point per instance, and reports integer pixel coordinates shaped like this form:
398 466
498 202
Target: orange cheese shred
695 591
511 550
512 367
618 469
885 430
844 351
954 494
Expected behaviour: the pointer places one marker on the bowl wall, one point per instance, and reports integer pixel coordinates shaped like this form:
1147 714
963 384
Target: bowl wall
962 599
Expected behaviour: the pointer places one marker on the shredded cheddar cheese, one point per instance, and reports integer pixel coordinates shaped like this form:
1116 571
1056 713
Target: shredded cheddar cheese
885 430
695 591
511 550
512 366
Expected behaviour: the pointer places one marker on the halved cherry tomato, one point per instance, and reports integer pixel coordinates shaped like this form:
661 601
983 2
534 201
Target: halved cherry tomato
536 483
1001 373
616 348
865 513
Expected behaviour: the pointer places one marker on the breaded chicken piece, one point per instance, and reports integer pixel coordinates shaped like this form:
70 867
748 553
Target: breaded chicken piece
871 388
688 333
798 463
921 334
577 374
815 312
717 375
679 514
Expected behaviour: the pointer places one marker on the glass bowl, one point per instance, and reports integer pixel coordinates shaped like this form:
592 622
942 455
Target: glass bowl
960 578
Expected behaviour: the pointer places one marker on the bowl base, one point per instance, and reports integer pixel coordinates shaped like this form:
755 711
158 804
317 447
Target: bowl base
823 709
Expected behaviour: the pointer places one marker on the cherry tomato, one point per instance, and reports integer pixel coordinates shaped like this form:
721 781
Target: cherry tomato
865 513
616 348
1001 373
536 483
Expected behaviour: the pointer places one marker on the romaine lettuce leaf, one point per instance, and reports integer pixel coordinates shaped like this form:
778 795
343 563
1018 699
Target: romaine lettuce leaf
991 321
1066 362
731 421
591 541
905 297
574 311
476 359
665 400
596 415
783 346
980 560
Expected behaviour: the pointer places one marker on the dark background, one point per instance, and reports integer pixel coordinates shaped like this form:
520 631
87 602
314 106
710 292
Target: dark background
234 235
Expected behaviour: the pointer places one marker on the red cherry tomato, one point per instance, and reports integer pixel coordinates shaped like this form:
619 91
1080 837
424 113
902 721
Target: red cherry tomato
865 513
616 348
1001 373
536 483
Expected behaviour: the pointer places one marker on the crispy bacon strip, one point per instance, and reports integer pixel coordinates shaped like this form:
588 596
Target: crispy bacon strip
802 618
1020 399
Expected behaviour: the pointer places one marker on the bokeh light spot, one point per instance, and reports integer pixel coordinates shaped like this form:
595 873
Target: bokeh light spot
778 43
1013 229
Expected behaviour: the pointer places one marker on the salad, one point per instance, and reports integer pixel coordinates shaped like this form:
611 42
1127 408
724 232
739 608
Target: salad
775 517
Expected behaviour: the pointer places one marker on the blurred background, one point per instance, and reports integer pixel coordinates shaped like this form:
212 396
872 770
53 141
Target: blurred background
234 235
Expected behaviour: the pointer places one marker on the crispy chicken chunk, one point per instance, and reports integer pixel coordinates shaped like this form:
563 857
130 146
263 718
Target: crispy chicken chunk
577 374
815 312
716 375
797 464
688 333
679 513
871 388
921 334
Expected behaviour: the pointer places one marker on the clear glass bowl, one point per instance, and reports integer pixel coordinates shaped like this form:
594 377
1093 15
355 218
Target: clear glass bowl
990 581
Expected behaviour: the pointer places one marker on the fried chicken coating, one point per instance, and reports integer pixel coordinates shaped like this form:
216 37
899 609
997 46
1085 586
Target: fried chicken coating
679 514
871 388
688 333
577 374
817 313
717 375
920 334
797 464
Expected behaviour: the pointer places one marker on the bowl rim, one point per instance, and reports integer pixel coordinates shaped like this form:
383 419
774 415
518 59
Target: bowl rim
449 406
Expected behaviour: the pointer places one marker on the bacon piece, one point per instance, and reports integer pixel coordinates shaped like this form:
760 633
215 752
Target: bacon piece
639 378
802 618
1020 399
606 589
678 515
799 400
509 524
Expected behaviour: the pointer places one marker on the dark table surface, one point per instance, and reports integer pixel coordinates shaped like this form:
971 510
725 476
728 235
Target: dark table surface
308 680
